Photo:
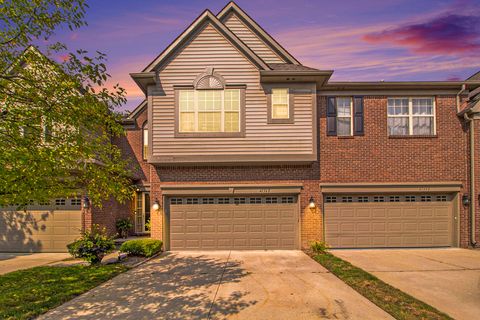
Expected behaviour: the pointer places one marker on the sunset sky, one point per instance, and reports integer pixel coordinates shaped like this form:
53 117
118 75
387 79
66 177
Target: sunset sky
367 40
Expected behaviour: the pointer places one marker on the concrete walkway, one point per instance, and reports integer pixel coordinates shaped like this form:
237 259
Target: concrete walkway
223 284
448 279
15 261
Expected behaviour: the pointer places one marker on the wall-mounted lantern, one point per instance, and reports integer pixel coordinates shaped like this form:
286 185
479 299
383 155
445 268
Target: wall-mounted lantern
311 203
156 205
465 200
86 202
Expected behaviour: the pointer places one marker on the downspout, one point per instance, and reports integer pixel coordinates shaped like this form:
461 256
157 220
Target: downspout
472 178
464 88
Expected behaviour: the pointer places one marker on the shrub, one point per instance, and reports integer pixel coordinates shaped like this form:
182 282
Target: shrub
92 246
318 247
142 247
123 226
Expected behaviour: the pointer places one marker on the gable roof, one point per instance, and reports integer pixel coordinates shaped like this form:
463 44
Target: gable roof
206 16
474 77
259 31
137 110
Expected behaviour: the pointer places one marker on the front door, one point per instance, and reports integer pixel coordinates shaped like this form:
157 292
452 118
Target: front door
142 213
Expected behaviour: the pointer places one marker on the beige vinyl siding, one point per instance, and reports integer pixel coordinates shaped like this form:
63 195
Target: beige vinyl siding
251 39
209 48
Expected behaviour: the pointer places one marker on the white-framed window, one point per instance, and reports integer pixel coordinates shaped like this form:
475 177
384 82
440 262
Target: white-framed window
344 116
280 103
209 110
413 116
145 140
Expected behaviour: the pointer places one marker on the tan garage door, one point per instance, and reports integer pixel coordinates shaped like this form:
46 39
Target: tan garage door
237 223
41 228
388 221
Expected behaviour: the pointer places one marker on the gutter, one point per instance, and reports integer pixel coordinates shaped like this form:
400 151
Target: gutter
464 88
470 121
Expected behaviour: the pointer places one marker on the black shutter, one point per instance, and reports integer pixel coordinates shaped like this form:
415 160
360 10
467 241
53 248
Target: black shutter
358 129
331 116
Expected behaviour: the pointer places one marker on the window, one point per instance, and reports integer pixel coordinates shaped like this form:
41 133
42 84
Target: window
59 202
344 116
209 111
145 140
347 199
378 199
75 202
331 199
280 105
411 116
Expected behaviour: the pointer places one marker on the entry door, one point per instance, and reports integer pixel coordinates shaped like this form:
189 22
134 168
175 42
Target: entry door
142 213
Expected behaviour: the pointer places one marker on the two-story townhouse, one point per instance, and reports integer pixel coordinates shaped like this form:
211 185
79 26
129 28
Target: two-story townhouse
240 146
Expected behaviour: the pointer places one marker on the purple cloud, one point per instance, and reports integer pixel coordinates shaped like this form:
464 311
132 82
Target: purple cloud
448 34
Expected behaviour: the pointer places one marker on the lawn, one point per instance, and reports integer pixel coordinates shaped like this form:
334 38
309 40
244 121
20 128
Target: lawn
397 303
28 293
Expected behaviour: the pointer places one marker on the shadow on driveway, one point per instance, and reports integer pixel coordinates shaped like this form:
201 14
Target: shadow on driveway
170 287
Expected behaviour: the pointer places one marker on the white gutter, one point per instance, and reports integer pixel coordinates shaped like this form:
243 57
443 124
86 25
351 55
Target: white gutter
472 179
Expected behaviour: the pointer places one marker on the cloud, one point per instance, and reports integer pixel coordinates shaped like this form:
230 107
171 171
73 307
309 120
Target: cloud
449 34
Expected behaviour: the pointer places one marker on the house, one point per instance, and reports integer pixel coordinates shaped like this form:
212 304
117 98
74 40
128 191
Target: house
240 146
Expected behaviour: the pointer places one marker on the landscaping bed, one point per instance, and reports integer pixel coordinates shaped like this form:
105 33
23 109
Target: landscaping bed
394 301
25 294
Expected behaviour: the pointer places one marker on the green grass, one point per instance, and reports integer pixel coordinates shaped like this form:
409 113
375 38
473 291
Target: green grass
397 303
25 294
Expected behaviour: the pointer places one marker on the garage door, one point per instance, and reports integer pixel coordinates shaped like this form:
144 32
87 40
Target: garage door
238 223
41 228
388 221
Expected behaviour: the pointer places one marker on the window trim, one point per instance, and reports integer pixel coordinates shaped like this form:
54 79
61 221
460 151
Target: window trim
241 133
410 116
145 126
343 117
290 97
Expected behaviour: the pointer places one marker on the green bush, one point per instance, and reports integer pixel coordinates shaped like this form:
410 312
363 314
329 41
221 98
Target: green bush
92 246
123 226
142 247
318 247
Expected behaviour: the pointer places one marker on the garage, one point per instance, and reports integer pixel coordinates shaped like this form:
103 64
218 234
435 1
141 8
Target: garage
239 222
46 227
389 220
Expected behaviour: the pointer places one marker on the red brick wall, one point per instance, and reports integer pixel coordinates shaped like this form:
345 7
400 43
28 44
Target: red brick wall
107 215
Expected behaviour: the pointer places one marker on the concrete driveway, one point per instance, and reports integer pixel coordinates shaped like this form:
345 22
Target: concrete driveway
15 261
448 279
219 285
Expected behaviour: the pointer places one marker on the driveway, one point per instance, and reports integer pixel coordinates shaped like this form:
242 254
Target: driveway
223 284
448 279
15 261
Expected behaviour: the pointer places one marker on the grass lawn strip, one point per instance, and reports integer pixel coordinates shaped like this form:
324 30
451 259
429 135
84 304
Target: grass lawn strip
397 303
25 294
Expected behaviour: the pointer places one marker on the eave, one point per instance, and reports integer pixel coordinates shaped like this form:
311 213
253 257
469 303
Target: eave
320 77
144 79
401 85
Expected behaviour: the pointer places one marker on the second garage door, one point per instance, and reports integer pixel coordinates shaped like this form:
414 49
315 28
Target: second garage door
237 223
388 221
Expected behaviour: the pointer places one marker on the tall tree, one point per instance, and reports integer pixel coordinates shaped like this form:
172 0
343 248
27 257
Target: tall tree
57 119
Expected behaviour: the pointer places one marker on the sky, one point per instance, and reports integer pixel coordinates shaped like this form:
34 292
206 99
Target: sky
361 40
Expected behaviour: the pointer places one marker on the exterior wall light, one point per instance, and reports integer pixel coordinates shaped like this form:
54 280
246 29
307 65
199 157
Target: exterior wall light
86 202
465 200
311 203
156 205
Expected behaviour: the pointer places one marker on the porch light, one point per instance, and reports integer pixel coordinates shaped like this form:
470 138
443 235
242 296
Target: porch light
86 202
156 205
465 200
311 203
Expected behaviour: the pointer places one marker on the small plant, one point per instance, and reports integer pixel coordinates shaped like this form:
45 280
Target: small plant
142 247
92 246
123 226
318 247
148 225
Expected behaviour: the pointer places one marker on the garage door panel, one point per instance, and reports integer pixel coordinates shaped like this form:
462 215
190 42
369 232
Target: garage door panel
235 226
389 224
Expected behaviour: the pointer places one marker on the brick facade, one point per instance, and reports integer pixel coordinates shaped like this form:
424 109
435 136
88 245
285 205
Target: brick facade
373 157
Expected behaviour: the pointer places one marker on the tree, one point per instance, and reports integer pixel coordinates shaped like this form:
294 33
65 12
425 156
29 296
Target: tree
57 120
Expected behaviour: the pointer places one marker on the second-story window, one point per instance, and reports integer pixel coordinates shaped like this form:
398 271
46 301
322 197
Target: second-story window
411 116
344 116
209 110
145 140
280 105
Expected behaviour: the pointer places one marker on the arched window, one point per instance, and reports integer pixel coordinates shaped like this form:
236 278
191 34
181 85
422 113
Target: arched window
145 140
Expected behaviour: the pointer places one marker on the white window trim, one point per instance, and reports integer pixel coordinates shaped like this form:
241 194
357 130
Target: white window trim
288 104
344 117
411 115
145 141
222 111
